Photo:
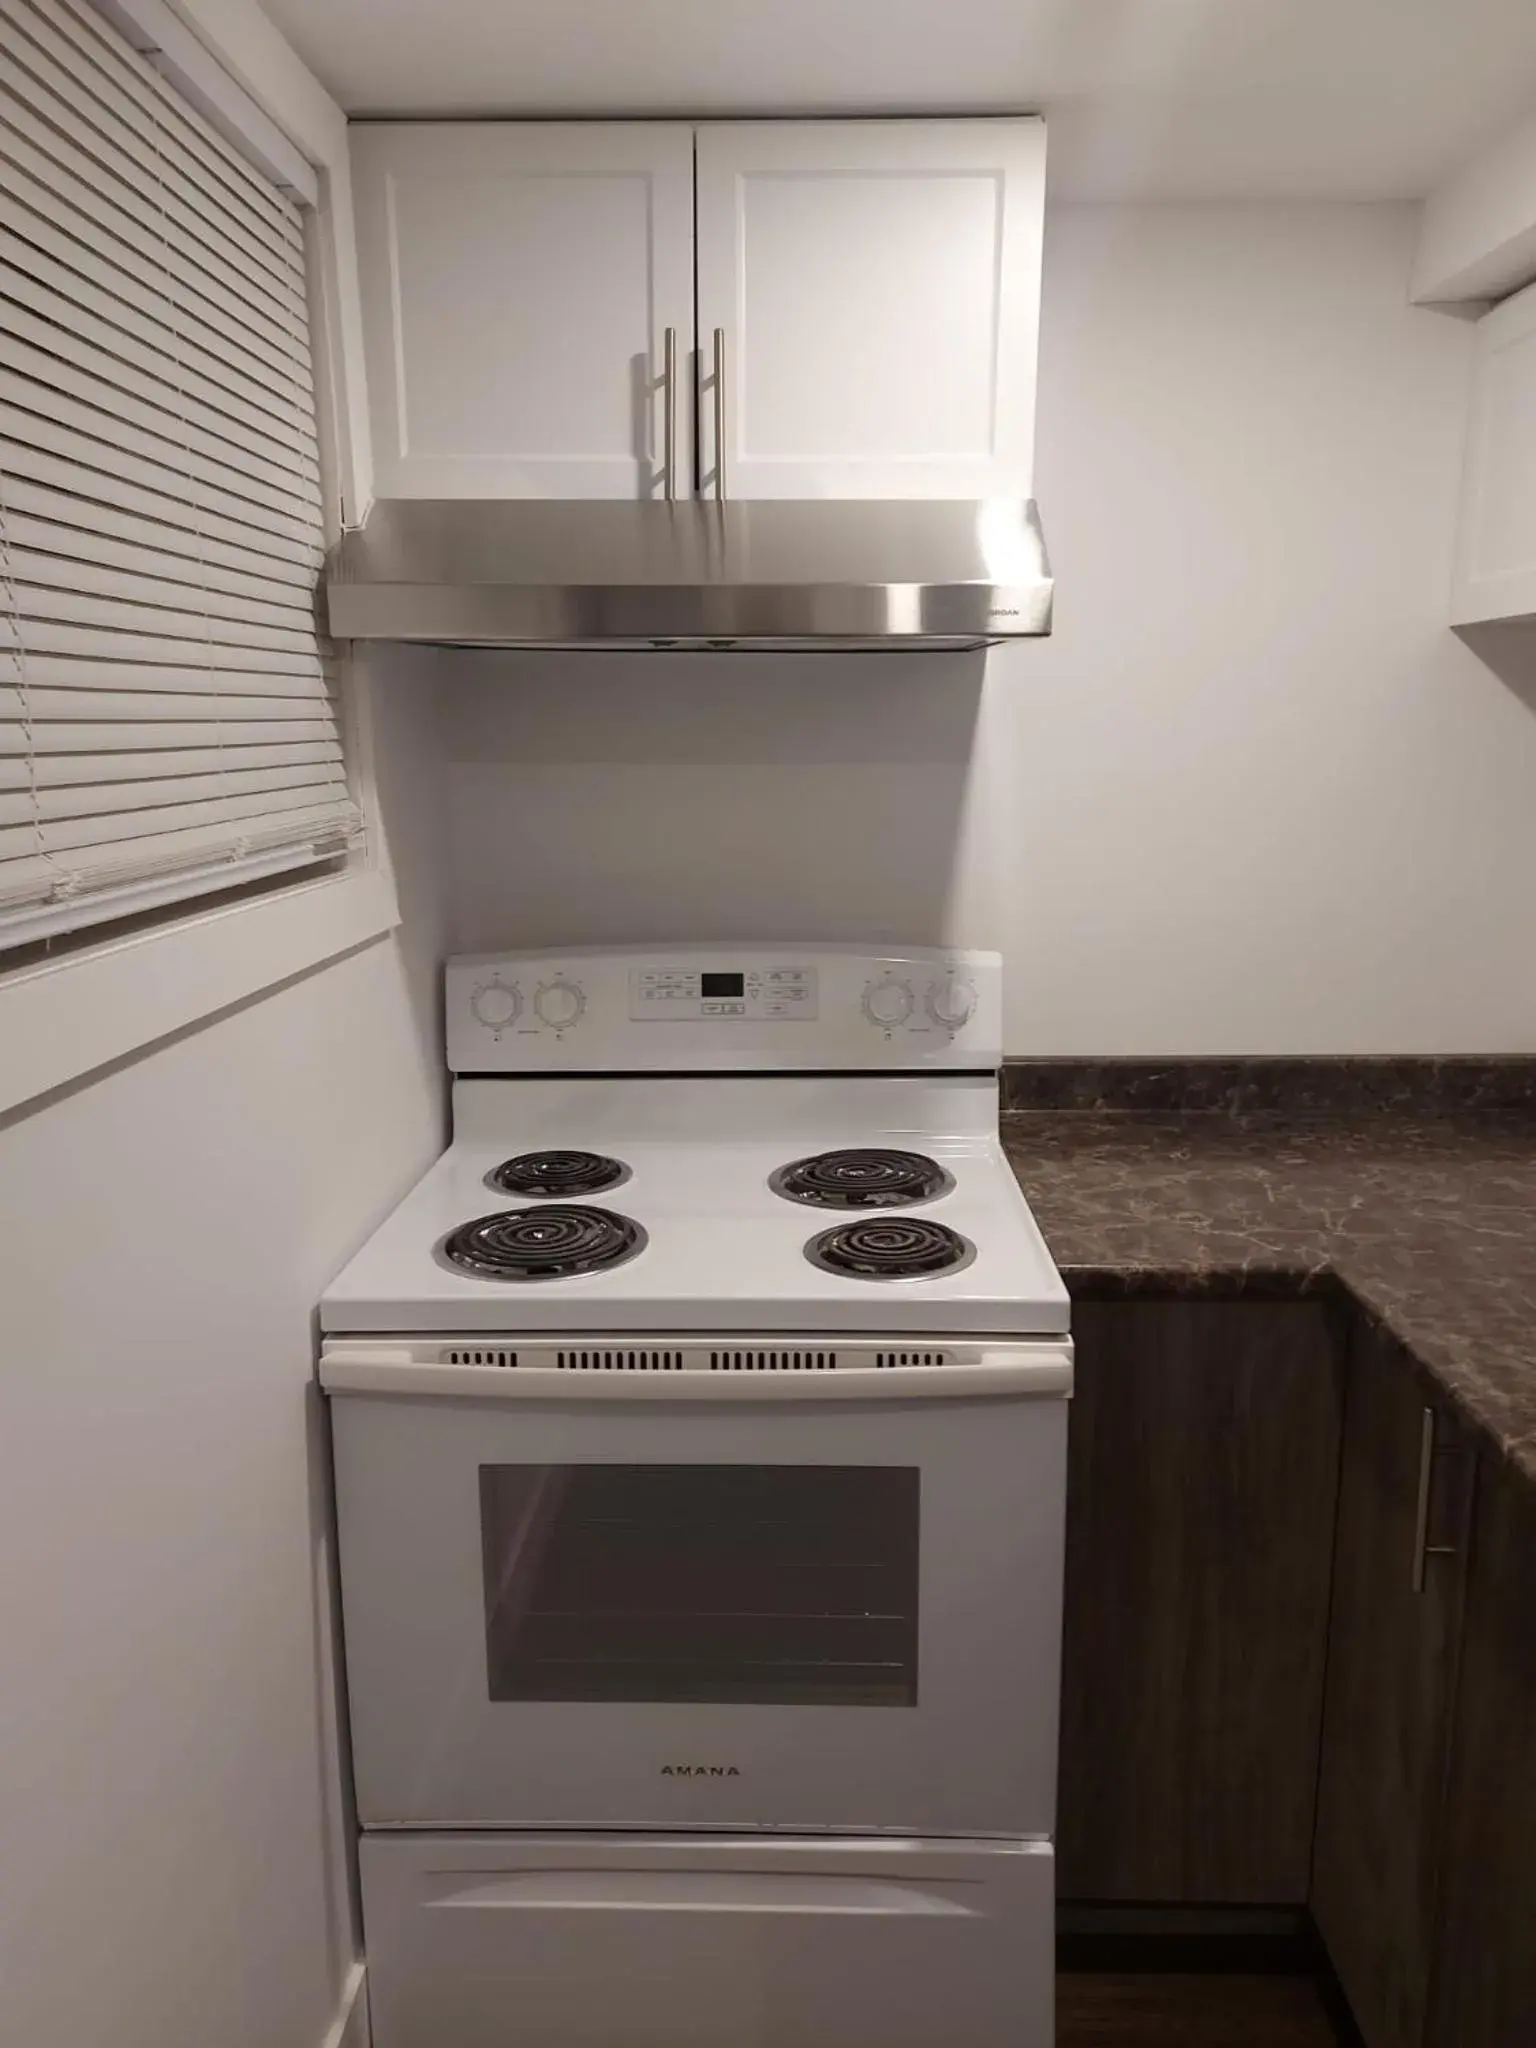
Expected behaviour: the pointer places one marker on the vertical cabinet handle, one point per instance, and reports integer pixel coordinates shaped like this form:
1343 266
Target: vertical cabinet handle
1423 1549
719 415
669 415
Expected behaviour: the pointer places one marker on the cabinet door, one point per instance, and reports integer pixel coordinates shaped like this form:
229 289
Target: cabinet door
518 279
1496 538
1484 1993
1202 1476
1391 1670
876 289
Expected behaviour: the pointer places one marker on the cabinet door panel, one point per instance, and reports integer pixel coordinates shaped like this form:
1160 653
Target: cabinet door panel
1496 538
1200 1506
518 279
1484 1993
1392 1653
877 286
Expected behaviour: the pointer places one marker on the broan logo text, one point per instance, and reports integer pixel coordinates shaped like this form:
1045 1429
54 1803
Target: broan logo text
699 1771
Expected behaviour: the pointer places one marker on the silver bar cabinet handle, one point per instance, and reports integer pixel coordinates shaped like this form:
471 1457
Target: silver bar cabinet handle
1423 1549
719 414
669 415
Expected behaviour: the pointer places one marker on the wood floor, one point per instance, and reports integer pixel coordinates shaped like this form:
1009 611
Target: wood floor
1154 2010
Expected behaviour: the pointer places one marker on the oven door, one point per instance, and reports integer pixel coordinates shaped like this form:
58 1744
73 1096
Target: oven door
813 1606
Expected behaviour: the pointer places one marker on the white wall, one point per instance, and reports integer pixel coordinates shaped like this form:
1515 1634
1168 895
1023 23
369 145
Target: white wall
1252 797
175 1859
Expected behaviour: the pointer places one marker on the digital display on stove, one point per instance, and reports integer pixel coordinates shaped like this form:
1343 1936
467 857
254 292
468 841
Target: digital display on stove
722 985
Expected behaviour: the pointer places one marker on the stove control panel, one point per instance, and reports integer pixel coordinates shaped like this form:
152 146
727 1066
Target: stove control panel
671 995
724 1008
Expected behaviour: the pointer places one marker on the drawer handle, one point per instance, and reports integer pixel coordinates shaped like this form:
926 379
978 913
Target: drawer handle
1423 1549
710 1890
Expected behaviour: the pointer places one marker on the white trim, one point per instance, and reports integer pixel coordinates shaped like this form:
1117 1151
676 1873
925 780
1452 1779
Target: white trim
67 1017
134 899
177 54
350 2028
236 41
245 42
251 48
337 341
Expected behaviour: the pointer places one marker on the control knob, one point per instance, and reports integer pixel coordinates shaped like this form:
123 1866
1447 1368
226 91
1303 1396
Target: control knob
952 1002
496 1005
559 1004
888 1002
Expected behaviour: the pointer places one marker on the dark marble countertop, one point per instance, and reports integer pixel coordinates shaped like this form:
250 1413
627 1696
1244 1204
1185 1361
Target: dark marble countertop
1430 1223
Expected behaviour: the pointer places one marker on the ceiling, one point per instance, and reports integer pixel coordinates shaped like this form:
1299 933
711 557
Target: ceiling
1147 98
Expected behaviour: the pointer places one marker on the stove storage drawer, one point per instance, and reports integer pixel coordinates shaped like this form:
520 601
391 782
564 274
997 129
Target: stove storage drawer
807 1614
594 1942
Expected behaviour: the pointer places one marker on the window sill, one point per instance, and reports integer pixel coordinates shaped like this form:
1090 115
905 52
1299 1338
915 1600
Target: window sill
64 1019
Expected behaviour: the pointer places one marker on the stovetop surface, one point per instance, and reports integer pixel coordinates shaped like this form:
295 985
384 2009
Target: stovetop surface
723 1250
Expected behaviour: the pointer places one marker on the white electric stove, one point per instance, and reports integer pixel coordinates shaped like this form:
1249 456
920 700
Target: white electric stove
699 1428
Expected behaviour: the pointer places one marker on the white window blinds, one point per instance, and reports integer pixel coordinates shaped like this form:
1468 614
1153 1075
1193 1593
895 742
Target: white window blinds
168 713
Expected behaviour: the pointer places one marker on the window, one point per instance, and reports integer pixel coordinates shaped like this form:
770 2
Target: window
733 1584
169 723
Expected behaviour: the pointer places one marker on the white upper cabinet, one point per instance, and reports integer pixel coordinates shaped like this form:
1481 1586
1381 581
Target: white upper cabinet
869 289
519 279
873 291
1496 540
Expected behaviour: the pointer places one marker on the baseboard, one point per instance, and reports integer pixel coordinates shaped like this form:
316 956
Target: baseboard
350 2027
1335 2004
1265 1941
1261 1941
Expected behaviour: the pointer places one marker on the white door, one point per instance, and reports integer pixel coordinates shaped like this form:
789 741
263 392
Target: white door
519 280
873 290
625 1612
476 1941
1496 541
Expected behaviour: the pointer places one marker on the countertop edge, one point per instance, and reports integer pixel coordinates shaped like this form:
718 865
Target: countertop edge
1326 1284
1499 1414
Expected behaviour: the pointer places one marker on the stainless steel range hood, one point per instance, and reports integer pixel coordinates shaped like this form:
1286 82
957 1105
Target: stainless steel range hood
761 573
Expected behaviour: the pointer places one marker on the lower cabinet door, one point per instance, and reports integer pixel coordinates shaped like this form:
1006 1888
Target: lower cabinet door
647 1942
1484 1991
1391 1672
1202 1479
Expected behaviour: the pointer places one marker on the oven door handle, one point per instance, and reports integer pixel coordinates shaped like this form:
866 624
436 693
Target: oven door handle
1005 1374
703 1891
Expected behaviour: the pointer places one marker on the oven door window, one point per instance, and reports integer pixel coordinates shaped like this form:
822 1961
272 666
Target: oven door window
733 1584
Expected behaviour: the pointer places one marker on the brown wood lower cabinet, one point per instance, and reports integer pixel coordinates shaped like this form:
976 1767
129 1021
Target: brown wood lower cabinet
1200 1519
1267 1697
1484 1990
1391 1688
